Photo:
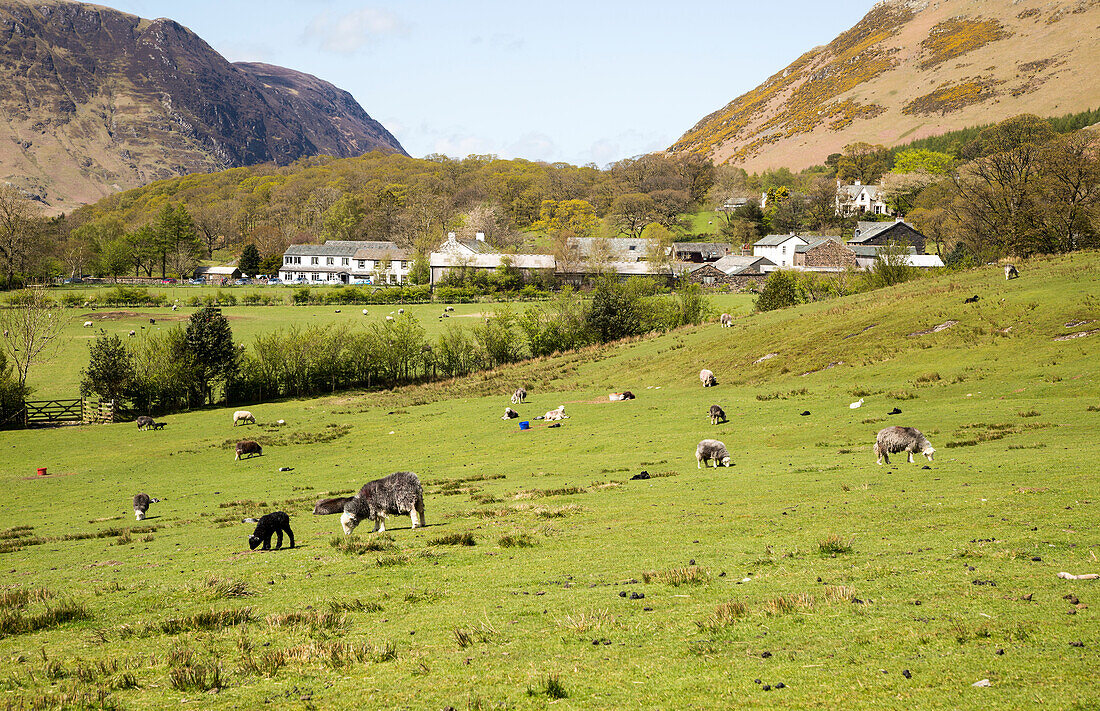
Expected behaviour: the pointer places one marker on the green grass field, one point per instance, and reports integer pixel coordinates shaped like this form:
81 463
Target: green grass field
803 565
59 377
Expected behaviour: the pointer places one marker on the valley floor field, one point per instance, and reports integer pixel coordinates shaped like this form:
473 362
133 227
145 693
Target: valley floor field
804 576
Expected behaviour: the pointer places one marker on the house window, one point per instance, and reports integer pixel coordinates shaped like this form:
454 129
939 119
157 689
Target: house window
633 247
783 249
316 276
286 260
345 261
314 260
362 264
329 261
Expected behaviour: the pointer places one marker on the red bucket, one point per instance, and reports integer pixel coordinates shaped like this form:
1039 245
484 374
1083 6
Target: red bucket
41 471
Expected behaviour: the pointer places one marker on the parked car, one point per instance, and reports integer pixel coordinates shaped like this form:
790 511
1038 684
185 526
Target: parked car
168 281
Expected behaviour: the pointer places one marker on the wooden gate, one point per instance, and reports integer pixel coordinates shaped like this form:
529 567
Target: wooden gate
53 412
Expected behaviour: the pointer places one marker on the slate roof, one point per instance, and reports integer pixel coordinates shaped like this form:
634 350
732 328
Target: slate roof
776 240
621 248
335 248
709 250
737 264
375 253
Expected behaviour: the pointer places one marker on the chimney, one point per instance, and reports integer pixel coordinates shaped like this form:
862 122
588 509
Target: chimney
480 236
451 236
856 182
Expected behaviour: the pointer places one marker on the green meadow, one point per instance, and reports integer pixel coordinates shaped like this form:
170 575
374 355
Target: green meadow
804 576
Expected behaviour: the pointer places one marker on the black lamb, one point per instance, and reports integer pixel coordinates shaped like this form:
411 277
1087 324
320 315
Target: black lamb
267 525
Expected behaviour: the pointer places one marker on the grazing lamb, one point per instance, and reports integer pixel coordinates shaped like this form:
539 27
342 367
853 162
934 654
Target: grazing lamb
891 440
243 416
158 425
398 493
141 505
711 450
509 414
247 446
1011 272
707 378
972 299
267 525
519 396
144 421
558 414
87 324
727 321
717 415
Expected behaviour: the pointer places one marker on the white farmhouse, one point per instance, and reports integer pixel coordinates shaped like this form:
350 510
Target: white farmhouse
780 249
346 262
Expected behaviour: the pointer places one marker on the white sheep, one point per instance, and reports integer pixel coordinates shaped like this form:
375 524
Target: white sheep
727 321
401 311
519 396
891 440
243 416
1011 272
557 414
389 318
711 450
707 378
87 324
132 334
364 312
509 414
856 405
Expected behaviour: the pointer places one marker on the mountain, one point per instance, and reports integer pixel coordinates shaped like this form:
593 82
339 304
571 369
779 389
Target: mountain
911 69
96 101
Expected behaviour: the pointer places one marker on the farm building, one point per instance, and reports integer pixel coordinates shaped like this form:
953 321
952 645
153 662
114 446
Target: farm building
217 275
346 262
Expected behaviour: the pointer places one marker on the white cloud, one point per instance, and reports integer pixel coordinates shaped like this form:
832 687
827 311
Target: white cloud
352 31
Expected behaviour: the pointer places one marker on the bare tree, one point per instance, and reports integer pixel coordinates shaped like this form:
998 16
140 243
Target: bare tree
17 226
31 328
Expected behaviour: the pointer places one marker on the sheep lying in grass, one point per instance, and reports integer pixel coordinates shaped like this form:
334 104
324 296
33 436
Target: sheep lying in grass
891 440
519 396
558 414
509 414
717 415
243 416
247 446
618 397
398 493
707 378
711 450
141 505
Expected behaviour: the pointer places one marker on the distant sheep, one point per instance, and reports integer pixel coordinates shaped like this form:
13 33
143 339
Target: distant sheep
141 505
891 440
972 299
1011 272
617 397
243 416
509 414
389 318
364 312
726 320
249 447
557 414
707 378
152 321
268 525
856 405
717 415
711 450
144 421
132 334
398 493
401 311
87 324
449 308
519 396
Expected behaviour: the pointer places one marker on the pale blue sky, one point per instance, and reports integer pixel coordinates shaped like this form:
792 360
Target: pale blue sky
568 81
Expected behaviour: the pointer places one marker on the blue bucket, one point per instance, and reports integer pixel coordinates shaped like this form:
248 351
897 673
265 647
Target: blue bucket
525 425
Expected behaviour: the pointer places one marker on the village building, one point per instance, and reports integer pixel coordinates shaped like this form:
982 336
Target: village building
699 252
857 198
780 249
880 234
464 254
217 275
824 254
611 249
734 269
346 262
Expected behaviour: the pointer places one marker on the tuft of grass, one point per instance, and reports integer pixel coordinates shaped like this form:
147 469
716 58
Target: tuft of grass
353 545
454 539
1028 413
687 575
208 620
327 619
582 622
355 605
558 512
224 588
20 598
519 540
784 604
391 559
1092 408
550 686
14 621
834 544
927 378
196 677
724 615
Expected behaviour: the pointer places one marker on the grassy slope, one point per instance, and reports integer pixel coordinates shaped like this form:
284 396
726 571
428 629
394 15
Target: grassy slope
915 533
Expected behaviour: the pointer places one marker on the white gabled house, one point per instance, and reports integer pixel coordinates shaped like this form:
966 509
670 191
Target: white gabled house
346 262
858 198
780 249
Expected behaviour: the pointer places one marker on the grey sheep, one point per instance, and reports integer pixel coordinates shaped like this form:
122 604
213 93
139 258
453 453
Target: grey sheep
519 396
707 378
891 440
711 450
1011 272
398 493
144 421
247 446
141 505
726 321
717 415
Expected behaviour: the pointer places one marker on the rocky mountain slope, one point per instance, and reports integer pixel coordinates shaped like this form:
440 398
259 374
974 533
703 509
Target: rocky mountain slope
910 69
97 100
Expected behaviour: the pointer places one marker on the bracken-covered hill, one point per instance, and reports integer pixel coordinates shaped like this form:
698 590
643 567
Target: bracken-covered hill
95 100
910 69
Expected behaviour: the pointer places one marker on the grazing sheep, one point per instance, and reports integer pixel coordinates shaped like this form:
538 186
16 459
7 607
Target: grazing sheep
389 318
449 308
618 397
707 378
87 324
519 396
132 334
268 525
175 307
398 493
558 414
243 416
152 321
891 440
401 311
856 405
717 415
141 505
158 425
727 321
247 446
364 312
1011 272
711 450
509 414
144 421
972 300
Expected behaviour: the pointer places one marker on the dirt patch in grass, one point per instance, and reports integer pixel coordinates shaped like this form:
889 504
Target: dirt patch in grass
935 329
